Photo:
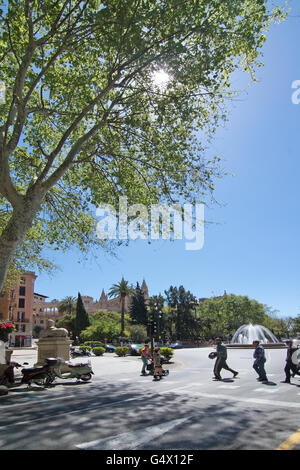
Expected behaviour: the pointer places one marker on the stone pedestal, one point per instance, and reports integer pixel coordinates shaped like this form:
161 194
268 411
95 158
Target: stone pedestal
3 365
8 354
2 353
3 390
53 347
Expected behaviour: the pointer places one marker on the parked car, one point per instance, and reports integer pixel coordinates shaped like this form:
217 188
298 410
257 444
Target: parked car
134 349
296 341
109 347
177 345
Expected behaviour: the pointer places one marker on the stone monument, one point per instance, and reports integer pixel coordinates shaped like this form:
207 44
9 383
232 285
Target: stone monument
54 343
2 352
3 366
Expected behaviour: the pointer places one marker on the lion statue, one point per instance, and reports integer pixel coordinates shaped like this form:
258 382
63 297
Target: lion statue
52 331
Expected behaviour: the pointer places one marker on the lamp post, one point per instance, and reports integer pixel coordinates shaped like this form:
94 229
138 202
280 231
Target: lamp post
152 328
154 324
193 305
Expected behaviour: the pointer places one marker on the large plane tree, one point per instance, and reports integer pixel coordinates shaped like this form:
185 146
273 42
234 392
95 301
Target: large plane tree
85 118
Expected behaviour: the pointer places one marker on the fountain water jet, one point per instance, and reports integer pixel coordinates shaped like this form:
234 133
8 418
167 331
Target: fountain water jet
246 334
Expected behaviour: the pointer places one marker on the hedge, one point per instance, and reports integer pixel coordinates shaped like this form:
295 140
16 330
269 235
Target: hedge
122 351
93 344
167 352
82 346
98 351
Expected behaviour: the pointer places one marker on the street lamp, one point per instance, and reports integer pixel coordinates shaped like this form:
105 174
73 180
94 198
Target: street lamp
193 305
154 324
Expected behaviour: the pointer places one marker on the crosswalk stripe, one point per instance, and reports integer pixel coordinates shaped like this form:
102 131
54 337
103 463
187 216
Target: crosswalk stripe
229 387
256 401
132 439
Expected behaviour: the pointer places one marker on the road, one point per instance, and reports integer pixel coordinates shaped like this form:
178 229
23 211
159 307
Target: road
121 410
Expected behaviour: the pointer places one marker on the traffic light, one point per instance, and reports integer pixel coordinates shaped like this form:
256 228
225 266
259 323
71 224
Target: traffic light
154 327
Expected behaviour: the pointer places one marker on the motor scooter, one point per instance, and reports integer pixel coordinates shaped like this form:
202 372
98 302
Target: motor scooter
82 371
7 377
40 375
79 352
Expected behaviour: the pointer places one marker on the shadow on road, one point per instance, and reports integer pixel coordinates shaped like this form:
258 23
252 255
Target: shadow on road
57 421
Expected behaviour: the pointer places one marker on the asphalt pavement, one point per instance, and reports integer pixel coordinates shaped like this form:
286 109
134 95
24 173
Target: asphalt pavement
187 410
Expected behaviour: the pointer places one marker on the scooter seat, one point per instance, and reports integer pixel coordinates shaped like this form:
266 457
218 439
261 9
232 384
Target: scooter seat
32 369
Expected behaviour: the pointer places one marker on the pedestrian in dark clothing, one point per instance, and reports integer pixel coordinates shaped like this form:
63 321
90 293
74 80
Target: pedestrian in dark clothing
259 361
221 363
290 367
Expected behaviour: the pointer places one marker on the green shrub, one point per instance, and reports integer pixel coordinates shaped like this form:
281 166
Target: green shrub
93 344
98 351
167 352
122 351
82 346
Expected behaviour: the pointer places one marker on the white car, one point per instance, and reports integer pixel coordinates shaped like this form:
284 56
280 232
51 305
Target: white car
296 341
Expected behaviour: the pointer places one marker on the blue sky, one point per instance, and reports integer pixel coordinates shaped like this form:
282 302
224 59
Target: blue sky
253 246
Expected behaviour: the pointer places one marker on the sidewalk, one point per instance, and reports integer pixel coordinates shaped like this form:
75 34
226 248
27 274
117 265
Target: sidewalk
25 355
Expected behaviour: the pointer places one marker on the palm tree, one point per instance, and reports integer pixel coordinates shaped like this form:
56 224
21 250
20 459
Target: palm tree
67 305
122 289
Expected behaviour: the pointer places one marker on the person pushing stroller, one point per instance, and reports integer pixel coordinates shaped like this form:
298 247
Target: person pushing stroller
158 370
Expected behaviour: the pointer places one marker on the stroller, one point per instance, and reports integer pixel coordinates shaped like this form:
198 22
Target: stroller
150 368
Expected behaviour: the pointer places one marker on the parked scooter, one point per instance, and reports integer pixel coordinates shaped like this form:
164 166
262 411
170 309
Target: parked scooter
7 377
75 352
40 375
79 371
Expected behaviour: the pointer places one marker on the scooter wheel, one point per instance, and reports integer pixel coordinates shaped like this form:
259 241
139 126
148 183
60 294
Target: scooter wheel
49 380
86 377
41 382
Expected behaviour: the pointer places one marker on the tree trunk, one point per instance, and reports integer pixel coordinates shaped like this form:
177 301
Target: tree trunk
15 231
122 314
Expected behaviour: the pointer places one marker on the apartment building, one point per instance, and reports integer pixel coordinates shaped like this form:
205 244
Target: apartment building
42 311
16 305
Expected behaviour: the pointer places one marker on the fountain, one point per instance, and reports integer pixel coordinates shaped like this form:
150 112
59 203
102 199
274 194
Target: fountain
246 334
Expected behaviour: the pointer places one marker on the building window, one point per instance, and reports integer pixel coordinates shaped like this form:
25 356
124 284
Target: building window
22 280
21 303
22 290
21 316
